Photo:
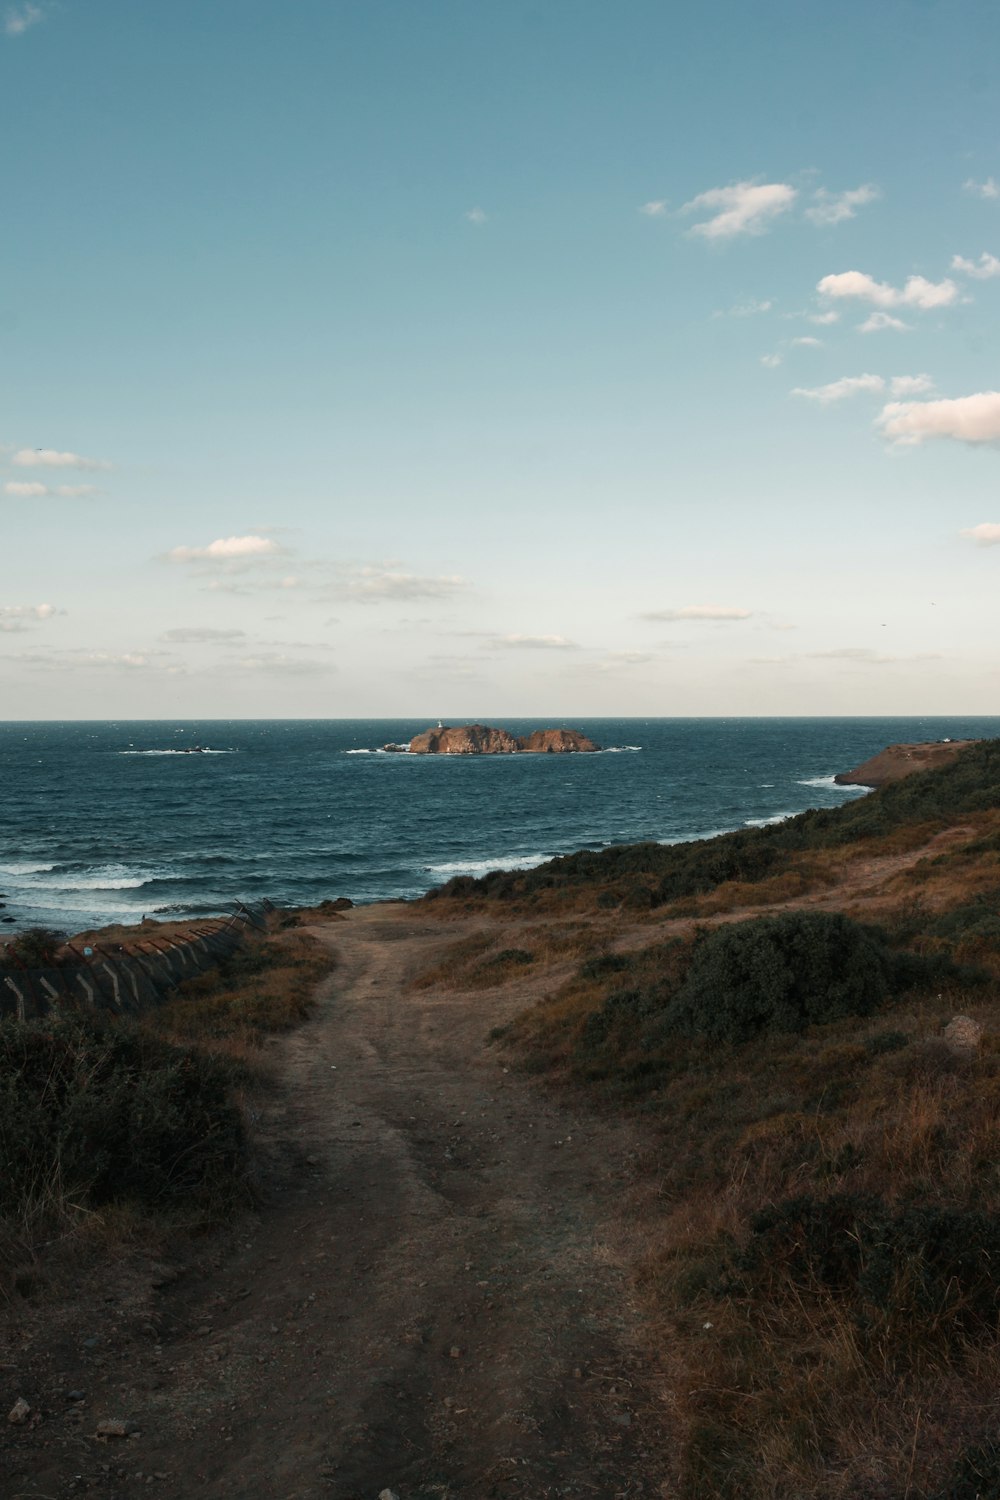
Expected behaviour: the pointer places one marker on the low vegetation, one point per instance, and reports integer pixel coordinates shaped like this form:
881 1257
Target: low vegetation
821 1268
645 876
113 1121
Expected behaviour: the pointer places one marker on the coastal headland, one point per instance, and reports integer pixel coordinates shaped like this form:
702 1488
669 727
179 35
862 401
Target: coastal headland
483 739
560 1177
897 761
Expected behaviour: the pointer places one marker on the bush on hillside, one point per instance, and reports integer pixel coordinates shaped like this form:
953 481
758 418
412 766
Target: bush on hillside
782 974
35 947
96 1113
920 1271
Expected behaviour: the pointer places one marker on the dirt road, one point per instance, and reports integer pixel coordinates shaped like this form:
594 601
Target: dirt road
430 1301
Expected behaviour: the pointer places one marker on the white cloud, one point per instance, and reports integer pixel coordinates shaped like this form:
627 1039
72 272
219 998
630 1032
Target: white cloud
27 611
807 342
986 534
477 216
26 489
988 189
741 208
51 458
534 642
879 322
279 661
839 390
188 635
910 385
19 616
20 17
745 309
967 419
656 208
770 361
226 547
698 612
917 291
986 267
865 656
32 488
371 585
825 318
834 208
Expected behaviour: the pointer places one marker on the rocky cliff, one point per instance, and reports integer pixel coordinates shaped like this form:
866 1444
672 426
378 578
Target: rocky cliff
482 739
897 761
562 741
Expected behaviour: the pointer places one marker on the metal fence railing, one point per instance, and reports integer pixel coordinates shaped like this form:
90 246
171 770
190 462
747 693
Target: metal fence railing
125 982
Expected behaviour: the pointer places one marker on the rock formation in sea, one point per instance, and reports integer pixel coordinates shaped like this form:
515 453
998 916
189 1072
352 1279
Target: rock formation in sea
561 741
897 761
483 739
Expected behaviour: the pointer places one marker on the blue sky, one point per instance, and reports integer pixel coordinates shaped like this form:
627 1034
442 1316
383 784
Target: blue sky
551 358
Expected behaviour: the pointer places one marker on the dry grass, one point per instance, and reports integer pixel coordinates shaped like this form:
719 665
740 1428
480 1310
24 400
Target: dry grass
264 987
487 957
785 1387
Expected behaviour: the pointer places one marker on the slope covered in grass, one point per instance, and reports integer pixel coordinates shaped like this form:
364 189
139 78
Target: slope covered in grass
649 874
822 1261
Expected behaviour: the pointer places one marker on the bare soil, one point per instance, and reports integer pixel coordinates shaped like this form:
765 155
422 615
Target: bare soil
432 1296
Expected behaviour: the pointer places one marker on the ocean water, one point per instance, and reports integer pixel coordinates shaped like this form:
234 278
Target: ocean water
107 822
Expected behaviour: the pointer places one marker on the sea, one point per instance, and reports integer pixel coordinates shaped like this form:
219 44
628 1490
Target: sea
114 821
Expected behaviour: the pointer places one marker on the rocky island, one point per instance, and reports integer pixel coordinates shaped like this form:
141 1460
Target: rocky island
897 761
482 739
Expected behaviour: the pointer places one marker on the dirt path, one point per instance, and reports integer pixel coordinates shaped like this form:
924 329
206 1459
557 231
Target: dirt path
430 1303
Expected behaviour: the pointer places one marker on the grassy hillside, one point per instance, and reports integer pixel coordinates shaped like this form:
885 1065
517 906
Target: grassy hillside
822 1262
650 875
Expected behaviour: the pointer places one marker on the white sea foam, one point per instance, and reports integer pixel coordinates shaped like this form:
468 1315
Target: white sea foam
767 822
25 869
113 877
829 784
484 866
619 749
205 751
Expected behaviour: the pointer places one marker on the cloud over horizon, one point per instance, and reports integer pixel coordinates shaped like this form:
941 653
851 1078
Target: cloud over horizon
698 612
533 642
53 458
35 489
986 534
188 635
226 548
373 585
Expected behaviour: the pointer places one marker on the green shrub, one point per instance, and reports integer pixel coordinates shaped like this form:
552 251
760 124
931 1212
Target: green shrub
605 963
782 974
36 947
98 1113
925 1270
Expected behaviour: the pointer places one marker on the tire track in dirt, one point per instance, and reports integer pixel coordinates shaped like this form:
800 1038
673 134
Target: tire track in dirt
431 1301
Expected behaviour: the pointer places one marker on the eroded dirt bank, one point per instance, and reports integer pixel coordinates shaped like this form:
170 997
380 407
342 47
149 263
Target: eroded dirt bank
431 1300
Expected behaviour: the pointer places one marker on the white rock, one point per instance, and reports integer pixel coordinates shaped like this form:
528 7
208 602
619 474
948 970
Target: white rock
19 1412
